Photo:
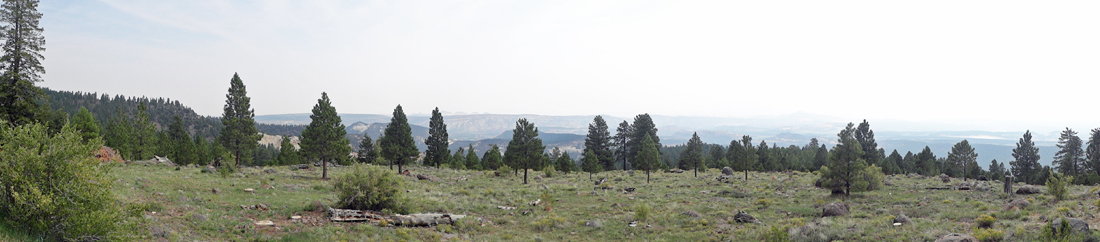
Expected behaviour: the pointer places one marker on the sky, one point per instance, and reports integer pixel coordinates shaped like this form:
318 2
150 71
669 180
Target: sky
1007 62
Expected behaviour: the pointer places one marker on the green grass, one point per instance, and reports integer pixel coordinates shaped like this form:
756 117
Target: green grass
175 201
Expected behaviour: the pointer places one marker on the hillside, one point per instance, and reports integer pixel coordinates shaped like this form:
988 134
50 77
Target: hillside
161 111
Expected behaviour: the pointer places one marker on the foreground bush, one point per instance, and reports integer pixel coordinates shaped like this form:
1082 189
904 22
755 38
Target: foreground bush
53 186
1056 185
368 187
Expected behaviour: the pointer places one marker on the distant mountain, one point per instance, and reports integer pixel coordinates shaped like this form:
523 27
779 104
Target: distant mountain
358 129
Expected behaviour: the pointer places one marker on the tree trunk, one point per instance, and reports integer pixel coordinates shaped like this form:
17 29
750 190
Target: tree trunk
646 176
324 169
524 176
399 169
696 172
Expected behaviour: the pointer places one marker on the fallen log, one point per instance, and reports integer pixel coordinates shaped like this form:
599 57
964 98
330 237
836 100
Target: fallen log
419 219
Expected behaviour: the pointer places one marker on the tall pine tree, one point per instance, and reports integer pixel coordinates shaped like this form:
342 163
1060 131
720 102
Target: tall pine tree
962 161
845 161
325 138
1092 153
437 140
866 138
599 142
643 125
491 160
1026 166
239 134
398 145
648 157
1070 157
86 123
366 153
182 150
692 158
22 61
472 162
591 164
621 143
288 155
525 150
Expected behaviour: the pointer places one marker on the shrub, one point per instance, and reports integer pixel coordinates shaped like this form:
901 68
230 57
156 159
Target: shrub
777 233
989 235
641 213
52 185
985 221
368 187
1056 185
549 170
504 170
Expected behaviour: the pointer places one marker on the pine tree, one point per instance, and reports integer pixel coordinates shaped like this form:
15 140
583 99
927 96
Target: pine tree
925 162
866 138
458 160
599 142
648 157
1026 166
996 170
398 145
145 142
437 140
963 161
182 150
564 163
846 160
325 138
86 123
642 126
288 155
202 151
366 153
692 158
764 161
1070 157
239 134
1092 152
472 162
590 164
895 163
491 160
622 141
22 61
715 154
525 150
748 157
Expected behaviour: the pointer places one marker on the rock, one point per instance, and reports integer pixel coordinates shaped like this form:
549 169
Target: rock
1008 184
158 231
269 171
945 178
209 169
1076 225
406 173
295 217
691 213
215 190
265 223
901 218
536 202
982 178
633 224
835 209
199 217
601 181
593 223
528 211
249 190
1028 189
262 206
677 170
727 171
317 206
629 189
953 237
300 167
616 205
423 177
743 217
506 207
724 178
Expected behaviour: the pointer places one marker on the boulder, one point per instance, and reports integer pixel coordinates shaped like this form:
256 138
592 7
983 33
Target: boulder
593 223
743 217
953 237
676 171
199 217
945 178
215 190
209 169
629 189
1028 189
265 223
724 178
1017 203
423 177
902 219
691 213
835 209
601 181
727 171
1076 225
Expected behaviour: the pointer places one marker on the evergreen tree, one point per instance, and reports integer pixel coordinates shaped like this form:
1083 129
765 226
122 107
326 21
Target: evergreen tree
22 61
1092 152
458 160
437 140
472 162
642 126
325 138
845 161
866 138
748 155
648 157
182 147
764 161
821 156
565 163
895 161
909 163
692 158
591 164
714 155
963 161
925 162
366 152
733 155
996 170
288 155
599 142
202 151
239 134
491 160
145 142
525 149
85 122
1070 157
1026 166
622 143
398 145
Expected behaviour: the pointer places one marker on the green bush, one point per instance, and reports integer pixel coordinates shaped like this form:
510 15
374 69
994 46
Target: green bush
549 171
989 235
55 187
504 170
1056 185
985 221
641 213
368 187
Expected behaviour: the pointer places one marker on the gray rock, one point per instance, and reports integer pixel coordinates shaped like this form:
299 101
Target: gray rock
743 217
727 171
209 169
1017 203
691 213
835 209
901 218
215 190
593 223
1076 225
160 232
1028 189
945 178
953 237
199 217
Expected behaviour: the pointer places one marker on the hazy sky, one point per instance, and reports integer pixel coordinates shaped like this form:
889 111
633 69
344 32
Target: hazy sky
1005 61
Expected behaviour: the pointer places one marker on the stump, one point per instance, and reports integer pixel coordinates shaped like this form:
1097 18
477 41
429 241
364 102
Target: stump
1008 185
